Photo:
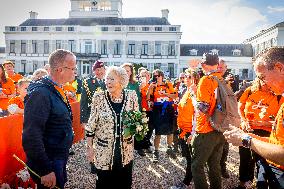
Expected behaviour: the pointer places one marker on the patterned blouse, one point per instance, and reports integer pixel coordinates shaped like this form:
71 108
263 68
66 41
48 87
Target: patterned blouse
101 126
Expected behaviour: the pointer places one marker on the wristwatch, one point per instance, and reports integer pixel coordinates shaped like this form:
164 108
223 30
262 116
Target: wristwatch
246 140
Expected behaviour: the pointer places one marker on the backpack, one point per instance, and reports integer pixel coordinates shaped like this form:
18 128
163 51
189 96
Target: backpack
226 109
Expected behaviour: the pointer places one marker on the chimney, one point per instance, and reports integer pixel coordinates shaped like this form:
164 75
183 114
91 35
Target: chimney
165 13
33 15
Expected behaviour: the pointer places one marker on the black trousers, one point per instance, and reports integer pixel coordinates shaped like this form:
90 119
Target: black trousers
116 178
224 156
248 159
186 152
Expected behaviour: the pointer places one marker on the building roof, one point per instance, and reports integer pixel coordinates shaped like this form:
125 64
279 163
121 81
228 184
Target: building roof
96 21
2 49
223 49
281 24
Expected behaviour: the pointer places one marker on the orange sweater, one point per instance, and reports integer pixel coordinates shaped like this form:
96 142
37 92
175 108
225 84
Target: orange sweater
8 88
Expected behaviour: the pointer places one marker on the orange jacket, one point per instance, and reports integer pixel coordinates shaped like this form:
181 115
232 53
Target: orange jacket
8 88
18 101
206 93
168 88
259 105
16 77
185 114
277 134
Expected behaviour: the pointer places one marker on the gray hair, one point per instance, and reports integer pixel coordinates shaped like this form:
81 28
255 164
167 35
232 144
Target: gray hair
120 72
40 70
57 57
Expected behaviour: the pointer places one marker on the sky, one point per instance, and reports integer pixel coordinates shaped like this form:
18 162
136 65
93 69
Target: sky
202 21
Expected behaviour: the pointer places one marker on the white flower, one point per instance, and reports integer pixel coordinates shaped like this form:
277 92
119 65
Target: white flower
145 120
139 128
24 175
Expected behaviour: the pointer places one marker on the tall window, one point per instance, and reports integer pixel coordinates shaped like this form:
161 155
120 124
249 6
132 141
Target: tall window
34 28
23 29
58 44
58 28
145 28
158 48
172 51
117 29
131 48
104 47
46 29
131 28
117 47
85 68
104 28
70 28
23 47
88 46
236 52
46 47
71 45
23 66
158 28
172 29
34 46
35 65
144 48
12 46
12 28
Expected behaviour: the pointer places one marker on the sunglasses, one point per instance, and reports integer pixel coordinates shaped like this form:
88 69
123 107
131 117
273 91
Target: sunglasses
156 75
188 76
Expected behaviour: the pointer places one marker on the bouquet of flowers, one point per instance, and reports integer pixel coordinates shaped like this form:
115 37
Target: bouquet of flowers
135 123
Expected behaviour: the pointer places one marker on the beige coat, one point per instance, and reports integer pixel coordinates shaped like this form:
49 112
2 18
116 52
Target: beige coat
101 125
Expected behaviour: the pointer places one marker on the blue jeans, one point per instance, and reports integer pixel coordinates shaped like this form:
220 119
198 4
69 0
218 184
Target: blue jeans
59 167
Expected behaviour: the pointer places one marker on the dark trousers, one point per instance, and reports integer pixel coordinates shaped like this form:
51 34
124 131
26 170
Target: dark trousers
186 152
115 178
248 159
207 148
224 156
146 142
59 167
176 139
265 179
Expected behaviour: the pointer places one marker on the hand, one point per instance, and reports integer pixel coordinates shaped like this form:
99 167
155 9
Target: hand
90 154
188 140
234 136
152 85
83 125
49 180
193 88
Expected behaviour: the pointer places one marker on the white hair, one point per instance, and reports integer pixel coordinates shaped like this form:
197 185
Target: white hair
121 73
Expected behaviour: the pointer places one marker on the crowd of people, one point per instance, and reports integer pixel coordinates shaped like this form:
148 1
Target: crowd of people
181 110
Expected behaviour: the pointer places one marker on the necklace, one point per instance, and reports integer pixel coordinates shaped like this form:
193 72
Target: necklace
116 100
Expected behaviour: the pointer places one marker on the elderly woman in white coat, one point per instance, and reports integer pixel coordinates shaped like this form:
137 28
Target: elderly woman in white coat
110 151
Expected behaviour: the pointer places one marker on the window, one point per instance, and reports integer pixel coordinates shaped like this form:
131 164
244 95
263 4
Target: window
71 45
70 28
104 47
88 46
12 46
158 28
158 48
85 68
58 28
23 66
12 28
23 47
117 47
34 46
46 29
157 66
58 44
34 28
117 29
145 28
45 62
104 28
131 48
214 51
104 5
35 66
172 49
236 52
144 48
23 29
45 46
131 28
244 73
172 29
193 52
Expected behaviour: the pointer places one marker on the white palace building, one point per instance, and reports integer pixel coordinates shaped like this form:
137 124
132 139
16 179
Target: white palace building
96 29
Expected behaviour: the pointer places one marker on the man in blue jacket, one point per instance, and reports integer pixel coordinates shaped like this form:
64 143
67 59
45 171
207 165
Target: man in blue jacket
47 132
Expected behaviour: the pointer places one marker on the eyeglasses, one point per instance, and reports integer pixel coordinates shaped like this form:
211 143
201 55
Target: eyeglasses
156 75
188 76
73 69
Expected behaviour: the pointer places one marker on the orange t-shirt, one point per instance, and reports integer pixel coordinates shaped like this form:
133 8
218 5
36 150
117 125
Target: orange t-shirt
207 93
69 88
8 88
18 101
168 88
144 101
185 114
16 77
277 134
259 105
